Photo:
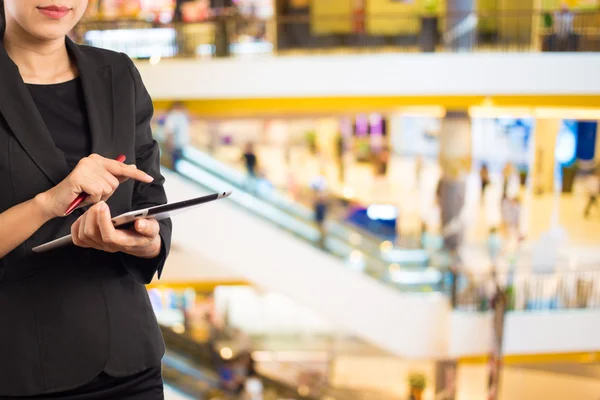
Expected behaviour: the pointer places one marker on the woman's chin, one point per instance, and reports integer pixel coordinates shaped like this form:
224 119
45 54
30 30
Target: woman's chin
49 34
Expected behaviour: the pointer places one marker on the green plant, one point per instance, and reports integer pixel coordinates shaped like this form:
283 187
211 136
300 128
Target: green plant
548 21
431 6
417 380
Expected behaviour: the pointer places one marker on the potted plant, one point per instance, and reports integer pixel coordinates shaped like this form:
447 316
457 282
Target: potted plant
429 26
311 140
417 383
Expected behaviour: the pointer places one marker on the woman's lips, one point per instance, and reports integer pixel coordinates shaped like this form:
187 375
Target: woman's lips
54 12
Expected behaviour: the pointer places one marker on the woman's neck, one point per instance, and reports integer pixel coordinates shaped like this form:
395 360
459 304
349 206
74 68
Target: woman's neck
39 62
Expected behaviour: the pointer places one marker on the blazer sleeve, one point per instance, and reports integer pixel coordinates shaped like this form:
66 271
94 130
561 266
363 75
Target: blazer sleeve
147 155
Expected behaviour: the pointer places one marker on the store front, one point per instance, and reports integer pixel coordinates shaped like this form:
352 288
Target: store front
167 28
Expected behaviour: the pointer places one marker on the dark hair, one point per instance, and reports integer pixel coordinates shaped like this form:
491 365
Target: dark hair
2 20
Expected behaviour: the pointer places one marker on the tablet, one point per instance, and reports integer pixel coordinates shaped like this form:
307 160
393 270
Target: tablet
125 221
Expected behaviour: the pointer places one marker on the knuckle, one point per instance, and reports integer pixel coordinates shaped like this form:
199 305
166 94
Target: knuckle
88 231
85 162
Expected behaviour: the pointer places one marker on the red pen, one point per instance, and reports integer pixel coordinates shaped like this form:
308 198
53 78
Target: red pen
81 198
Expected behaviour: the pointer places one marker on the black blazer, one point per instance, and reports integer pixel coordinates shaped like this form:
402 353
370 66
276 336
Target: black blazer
70 314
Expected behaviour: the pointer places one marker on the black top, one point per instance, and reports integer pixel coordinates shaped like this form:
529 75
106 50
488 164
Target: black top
62 107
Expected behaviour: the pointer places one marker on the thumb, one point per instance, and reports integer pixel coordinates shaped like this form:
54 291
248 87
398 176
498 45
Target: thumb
147 227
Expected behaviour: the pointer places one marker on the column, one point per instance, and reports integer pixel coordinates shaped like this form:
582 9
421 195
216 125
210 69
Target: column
542 171
455 162
546 179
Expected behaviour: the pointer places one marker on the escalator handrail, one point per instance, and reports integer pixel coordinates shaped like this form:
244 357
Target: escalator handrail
342 230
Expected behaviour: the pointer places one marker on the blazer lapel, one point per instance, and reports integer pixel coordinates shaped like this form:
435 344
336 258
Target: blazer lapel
97 85
20 112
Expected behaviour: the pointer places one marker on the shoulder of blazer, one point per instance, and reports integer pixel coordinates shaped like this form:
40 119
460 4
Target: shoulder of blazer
101 58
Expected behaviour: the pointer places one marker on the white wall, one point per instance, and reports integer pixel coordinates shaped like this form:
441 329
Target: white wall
375 75
527 332
189 265
258 312
411 325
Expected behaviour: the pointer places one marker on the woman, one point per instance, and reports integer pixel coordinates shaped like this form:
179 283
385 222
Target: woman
76 322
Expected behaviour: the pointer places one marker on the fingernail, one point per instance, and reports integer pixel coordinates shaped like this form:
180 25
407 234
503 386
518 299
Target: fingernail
134 166
149 177
142 224
103 206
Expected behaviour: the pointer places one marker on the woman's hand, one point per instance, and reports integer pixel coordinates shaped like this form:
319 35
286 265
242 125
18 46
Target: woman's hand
94 229
95 175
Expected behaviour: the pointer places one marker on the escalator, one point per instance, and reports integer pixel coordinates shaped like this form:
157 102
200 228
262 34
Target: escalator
273 243
189 378
345 240
191 367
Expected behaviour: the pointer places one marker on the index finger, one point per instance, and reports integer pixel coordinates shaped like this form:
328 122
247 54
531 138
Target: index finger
121 170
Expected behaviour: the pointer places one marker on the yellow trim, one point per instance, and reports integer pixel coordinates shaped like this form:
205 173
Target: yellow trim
238 108
587 357
200 286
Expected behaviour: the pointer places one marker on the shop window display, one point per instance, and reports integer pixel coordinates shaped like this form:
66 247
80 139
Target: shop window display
501 141
203 27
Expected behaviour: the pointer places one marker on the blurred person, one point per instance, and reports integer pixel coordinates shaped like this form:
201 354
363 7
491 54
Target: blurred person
250 162
507 172
240 374
227 380
340 150
76 322
320 204
484 176
563 22
253 387
494 245
511 217
250 159
382 159
592 185
177 131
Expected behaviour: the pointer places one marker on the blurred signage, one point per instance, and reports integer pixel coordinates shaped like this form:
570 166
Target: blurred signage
566 143
382 212
136 43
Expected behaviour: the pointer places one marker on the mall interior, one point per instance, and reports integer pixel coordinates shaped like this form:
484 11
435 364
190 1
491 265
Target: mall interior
415 194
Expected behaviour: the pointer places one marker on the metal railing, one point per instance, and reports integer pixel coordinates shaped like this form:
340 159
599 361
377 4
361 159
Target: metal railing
534 291
498 31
